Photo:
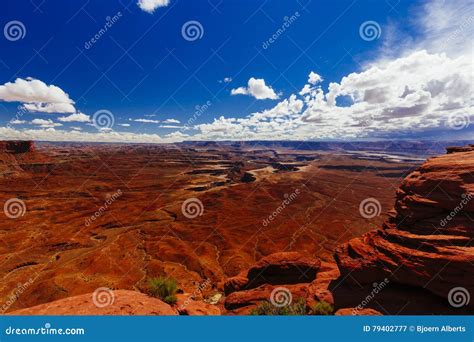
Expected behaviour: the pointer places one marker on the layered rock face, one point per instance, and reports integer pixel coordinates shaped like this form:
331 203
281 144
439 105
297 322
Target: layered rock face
427 243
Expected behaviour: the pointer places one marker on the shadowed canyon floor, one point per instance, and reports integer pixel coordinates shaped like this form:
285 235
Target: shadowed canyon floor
114 216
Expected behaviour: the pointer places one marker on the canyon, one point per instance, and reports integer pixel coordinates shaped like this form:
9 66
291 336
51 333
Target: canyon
262 215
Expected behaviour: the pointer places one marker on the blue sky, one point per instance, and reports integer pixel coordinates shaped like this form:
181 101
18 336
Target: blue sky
89 70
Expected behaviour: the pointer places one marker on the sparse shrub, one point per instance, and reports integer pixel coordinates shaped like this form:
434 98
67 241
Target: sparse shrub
322 308
163 288
266 308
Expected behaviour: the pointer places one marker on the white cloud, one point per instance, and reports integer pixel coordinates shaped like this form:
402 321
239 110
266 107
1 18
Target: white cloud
76 117
17 122
171 126
50 134
415 91
45 123
150 6
146 121
256 88
177 136
226 80
37 96
314 78
124 125
170 121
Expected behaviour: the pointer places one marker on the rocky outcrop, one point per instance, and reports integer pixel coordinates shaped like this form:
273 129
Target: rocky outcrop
291 272
351 311
275 269
119 302
188 306
427 243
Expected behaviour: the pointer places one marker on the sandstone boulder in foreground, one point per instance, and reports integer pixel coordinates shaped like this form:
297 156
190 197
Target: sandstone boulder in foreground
124 303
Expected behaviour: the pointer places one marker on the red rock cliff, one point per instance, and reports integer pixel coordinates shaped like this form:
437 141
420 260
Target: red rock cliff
428 241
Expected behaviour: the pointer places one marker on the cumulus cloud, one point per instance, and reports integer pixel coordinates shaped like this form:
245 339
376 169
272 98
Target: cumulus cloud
256 88
314 78
417 91
76 117
50 134
37 96
45 123
171 121
150 6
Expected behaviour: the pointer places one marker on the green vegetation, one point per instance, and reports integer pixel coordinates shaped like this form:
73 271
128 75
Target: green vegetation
163 288
266 308
322 308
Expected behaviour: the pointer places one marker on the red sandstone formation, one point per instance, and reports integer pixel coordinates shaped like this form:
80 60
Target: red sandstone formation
290 270
124 303
427 243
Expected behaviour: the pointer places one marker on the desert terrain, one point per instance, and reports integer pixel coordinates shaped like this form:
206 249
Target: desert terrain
115 215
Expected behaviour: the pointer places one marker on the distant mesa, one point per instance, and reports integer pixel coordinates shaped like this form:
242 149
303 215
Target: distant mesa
16 146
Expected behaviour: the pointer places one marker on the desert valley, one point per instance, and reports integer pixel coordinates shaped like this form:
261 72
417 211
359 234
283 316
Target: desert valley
234 223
